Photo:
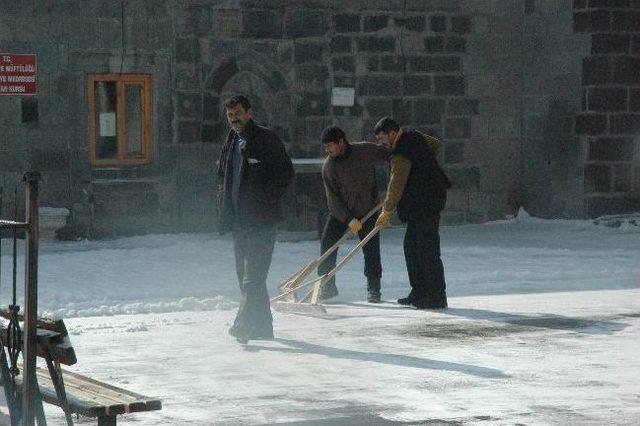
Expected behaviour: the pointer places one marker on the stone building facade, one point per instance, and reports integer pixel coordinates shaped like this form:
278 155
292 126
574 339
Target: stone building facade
537 101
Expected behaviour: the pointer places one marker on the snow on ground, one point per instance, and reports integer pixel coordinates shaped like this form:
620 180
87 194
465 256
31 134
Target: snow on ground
542 328
185 272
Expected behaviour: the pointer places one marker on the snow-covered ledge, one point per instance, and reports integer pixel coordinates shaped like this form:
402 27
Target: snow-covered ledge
51 219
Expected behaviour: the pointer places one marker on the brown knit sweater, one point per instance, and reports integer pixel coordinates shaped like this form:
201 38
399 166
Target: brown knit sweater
350 180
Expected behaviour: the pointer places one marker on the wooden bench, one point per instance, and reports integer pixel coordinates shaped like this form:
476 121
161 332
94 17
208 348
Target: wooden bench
73 392
93 398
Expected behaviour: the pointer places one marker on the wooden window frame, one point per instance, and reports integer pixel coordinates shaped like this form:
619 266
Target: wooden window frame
121 80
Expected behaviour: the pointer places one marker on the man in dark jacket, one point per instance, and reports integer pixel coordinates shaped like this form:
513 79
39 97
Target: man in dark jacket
254 171
418 188
349 178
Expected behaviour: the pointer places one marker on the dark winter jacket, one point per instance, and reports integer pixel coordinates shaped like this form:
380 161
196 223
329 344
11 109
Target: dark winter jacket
266 173
350 180
425 192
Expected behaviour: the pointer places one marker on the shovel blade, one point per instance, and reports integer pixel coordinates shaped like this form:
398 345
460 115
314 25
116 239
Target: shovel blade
297 277
298 308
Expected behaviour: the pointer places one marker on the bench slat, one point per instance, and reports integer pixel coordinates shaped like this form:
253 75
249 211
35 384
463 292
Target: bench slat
85 395
51 333
61 349
93 398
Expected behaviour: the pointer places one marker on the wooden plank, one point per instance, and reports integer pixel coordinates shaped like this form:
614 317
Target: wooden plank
45 323
53 334
58 384
62 349
93 398
30 400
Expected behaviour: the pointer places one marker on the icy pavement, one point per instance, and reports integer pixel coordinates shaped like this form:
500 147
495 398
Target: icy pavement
548 358
543 328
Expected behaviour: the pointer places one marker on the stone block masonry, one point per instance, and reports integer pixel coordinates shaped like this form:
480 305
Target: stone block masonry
537 102
609 124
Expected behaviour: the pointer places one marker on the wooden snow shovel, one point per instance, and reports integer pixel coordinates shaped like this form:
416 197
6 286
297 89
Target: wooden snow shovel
295 280
309 303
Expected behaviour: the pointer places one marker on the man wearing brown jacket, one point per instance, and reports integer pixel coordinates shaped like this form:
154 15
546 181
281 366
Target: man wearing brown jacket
418 189
350 184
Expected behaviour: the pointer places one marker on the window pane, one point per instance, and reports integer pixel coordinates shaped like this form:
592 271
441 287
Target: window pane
106 121
133 120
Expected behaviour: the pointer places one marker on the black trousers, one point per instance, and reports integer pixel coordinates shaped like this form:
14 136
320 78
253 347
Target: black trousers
253 251
333 230
422 255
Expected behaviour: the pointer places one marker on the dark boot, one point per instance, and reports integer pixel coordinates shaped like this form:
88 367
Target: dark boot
428 303
373 288
406 301
328 290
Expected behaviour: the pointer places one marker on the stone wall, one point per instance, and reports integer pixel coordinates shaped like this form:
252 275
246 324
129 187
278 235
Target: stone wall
609 123
552 155
48 132
536 101
404 59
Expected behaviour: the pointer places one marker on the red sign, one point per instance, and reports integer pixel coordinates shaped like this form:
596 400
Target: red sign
18 74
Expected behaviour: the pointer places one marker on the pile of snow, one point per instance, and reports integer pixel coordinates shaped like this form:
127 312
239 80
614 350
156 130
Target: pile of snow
627 222
624 221
190 304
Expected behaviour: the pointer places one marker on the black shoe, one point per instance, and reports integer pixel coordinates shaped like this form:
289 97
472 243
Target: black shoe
243 336
240 336
373 289
427 303
406 301
373 297
263 336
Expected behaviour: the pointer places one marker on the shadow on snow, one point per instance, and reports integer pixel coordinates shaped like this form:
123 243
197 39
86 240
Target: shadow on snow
296 346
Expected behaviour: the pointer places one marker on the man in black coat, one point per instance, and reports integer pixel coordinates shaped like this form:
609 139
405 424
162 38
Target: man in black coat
254 171
418 189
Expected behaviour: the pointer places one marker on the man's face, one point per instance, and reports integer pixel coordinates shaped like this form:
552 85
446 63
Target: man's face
238 117
386 139
335 148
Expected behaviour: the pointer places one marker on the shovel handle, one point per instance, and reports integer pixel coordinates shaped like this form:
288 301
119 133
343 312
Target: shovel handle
326 277
351 253
313 264
348 234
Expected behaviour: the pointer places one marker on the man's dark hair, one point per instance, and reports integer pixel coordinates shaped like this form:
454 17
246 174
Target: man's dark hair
236 100
385 125
332 134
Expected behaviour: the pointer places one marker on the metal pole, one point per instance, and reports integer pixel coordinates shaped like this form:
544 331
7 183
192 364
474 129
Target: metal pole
30 389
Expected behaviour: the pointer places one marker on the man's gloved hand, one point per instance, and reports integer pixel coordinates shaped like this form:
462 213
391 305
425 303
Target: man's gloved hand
384 219
355 226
